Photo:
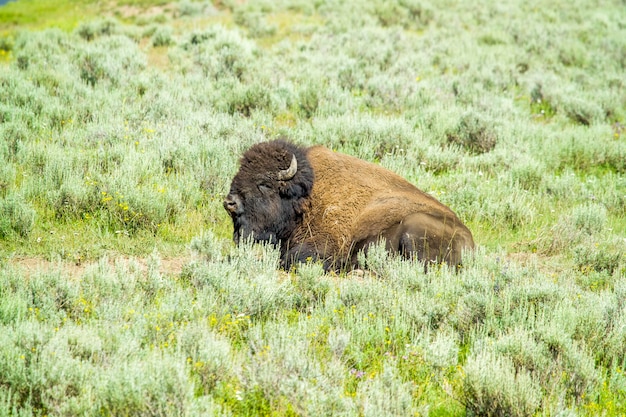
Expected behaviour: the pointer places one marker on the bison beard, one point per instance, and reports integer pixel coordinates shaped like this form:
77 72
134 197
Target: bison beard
321 205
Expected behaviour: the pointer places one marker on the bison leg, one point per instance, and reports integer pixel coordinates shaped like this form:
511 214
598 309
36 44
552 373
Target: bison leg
306 252
433 238
430 238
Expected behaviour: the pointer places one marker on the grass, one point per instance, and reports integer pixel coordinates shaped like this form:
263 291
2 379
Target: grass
65 14
121 125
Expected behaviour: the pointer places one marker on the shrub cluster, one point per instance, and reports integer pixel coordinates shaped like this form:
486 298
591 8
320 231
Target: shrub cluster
122 135
236 335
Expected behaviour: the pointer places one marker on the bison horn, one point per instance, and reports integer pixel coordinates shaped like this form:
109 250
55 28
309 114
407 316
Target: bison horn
287 174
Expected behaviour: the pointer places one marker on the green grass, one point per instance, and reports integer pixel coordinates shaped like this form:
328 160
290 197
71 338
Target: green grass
121 125
32 14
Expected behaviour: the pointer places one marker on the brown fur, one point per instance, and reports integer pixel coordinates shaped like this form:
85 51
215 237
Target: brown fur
354 203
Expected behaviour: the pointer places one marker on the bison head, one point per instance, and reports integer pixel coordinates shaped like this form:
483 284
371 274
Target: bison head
268 192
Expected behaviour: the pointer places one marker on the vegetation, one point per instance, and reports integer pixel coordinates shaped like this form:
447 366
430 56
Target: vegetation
120 130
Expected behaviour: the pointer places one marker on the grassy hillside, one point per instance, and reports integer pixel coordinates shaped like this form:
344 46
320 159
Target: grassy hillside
120 129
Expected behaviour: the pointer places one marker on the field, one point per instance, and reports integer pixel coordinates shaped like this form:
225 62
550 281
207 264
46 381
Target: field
121 125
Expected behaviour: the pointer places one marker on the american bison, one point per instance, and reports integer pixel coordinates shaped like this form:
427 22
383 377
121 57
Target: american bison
326 206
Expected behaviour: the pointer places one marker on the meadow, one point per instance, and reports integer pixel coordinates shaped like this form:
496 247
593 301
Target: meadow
121 126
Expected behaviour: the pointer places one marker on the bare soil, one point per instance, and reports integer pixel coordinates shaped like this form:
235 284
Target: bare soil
33 265
128 11
173 266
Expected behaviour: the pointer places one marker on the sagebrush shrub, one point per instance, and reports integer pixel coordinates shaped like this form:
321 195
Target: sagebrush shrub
595 257
208 247
526 352
162 37
110 143
473 134
311 286
577 375
245 100
92 30
308 100
470 314
194 8
589 218
221 53
615 339
208 355
386 394
577 229
17 217
255 22
443 350
493 387
528 175
279 351
584 148
108 59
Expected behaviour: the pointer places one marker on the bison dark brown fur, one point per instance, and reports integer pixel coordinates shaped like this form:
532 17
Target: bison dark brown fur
322 205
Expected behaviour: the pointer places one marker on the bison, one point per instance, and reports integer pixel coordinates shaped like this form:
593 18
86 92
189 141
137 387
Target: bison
321 205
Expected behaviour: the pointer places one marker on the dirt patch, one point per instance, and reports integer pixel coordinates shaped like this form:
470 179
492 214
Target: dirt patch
549 265
157 56
128 11
34 265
